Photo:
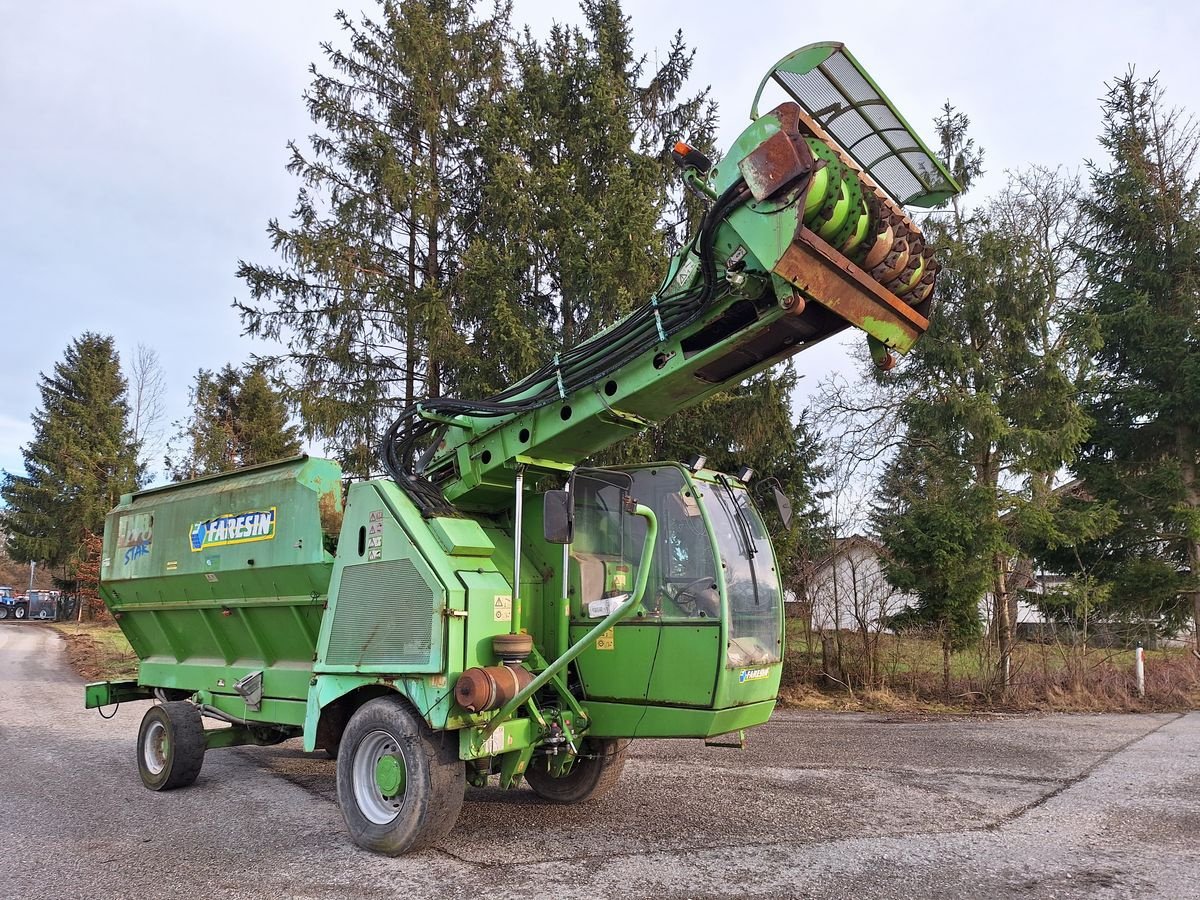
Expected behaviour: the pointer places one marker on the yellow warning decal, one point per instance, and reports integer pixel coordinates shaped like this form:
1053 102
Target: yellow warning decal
606 641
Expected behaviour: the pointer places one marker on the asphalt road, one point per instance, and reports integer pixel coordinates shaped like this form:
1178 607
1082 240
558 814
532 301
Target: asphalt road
818 806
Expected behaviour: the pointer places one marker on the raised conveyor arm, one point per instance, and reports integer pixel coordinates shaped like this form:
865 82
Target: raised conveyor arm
802 240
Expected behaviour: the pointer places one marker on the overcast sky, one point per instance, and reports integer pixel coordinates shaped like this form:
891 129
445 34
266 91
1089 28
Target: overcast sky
143 143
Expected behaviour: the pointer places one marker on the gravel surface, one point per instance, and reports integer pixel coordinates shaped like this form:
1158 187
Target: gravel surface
819 805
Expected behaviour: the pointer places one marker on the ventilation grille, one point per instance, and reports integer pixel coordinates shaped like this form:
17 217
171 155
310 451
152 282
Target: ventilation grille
384 617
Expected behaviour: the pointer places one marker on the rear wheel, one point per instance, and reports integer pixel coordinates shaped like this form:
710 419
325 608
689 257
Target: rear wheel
170 746
592 775
400 786
22 612
3 612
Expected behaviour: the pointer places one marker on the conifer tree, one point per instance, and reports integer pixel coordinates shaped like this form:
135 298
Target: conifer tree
993 385
1144 260
361 297
82 457
936 521
237 420
579 206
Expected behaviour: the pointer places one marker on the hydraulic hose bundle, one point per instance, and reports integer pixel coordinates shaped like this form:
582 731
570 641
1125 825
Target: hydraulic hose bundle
578 367
830 176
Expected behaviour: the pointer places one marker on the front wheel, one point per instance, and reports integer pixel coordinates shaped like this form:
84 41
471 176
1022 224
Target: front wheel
592 775
400 786
3 612
170 745
21 612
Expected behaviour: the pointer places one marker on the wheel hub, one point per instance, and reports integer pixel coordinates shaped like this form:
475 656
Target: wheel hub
379 775
156 748
389 775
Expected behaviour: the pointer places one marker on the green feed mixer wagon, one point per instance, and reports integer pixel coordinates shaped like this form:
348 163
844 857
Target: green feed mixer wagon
494 607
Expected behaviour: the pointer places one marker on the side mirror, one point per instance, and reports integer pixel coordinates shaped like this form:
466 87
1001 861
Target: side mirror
558 517
784 507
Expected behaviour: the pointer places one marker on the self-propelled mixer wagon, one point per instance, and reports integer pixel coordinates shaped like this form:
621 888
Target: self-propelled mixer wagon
437 626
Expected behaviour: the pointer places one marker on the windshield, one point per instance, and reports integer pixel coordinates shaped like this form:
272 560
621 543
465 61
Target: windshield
750 578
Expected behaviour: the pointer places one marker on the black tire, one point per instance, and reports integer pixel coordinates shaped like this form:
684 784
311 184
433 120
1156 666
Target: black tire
170 748
593 774
3 612
424 809
22 612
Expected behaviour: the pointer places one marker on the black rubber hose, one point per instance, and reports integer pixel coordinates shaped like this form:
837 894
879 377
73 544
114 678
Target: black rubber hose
588 362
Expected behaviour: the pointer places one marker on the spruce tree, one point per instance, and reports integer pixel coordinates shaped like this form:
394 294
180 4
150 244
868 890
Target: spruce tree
937 522
82 457
1144 260
579 204
361 299
237 420
992 388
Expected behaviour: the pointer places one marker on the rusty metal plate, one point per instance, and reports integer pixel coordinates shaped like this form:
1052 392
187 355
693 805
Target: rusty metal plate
837 284
774 164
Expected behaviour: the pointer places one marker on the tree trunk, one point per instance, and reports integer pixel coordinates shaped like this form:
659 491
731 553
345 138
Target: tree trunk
1003 613
433 275
946 664
410 318
1187 471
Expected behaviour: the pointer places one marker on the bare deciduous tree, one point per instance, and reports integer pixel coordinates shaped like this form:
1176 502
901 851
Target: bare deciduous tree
147 401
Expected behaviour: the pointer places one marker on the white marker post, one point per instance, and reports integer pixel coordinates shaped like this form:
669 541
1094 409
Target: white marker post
1139 670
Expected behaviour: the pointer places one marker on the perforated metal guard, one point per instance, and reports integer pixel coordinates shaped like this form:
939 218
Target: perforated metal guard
843 99
384 617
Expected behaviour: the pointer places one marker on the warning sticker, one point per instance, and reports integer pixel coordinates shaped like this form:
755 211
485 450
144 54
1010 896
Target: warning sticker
495 742
375 536
502 608
606 641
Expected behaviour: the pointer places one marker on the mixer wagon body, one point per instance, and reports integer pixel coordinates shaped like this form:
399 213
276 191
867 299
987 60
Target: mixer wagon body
215 579
436 627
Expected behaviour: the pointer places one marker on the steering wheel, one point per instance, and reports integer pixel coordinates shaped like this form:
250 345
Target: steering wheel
688 596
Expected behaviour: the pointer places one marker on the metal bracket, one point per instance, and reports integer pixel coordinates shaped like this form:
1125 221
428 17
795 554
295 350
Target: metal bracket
250 688
740 745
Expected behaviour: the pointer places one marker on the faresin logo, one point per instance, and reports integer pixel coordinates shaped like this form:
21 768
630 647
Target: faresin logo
240 529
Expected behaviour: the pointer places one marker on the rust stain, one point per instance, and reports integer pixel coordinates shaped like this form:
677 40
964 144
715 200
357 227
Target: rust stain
781 159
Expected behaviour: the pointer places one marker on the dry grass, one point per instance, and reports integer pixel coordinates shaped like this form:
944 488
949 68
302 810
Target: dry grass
98 651
906 676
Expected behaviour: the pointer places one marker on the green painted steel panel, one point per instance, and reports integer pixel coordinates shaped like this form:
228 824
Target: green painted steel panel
218 577
630 720
487 615
288 681
391 584
675 664
461 537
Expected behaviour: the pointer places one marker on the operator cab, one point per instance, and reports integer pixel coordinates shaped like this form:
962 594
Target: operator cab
708 632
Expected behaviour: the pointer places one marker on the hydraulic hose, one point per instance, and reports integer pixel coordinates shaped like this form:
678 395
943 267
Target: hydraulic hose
578 367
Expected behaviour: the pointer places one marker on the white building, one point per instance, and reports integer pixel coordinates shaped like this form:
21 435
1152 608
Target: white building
848 590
